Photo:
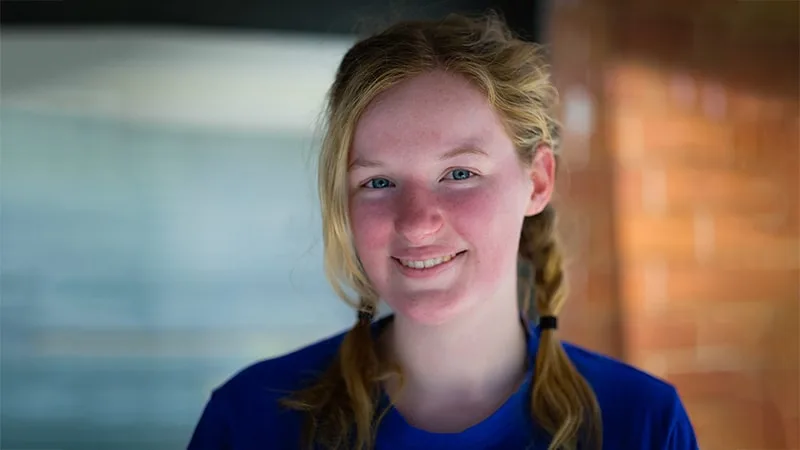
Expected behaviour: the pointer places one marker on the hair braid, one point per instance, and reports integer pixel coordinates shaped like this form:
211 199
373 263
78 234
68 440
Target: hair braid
562 402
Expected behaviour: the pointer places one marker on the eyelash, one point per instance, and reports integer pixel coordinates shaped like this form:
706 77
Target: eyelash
471 175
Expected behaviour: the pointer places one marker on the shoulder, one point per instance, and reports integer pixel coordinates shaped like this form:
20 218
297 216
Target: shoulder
287 372
639 410
245 409
610 377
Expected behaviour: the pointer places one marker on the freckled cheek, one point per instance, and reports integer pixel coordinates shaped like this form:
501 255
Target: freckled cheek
485 219
371 222
475 212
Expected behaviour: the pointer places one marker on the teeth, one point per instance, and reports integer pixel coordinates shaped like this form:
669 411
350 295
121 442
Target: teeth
428 263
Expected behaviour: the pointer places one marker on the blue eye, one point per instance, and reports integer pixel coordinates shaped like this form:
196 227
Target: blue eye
460 174
378 183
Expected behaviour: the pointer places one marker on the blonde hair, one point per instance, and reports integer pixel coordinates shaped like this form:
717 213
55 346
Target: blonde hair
341 406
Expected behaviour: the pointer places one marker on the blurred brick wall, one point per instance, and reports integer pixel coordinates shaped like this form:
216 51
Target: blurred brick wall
681 202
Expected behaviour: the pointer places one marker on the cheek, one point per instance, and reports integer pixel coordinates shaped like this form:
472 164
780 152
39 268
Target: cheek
372 226
489 218
489 221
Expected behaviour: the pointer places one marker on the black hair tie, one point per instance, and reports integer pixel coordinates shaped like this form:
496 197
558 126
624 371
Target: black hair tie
365 316
548 322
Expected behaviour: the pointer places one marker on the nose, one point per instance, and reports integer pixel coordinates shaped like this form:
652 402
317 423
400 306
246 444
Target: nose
419 217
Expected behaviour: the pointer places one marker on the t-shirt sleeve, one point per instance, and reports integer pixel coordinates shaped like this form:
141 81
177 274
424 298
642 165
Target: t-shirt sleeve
212 430
681 433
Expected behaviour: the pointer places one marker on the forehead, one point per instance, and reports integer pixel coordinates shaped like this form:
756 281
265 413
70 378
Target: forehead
434 112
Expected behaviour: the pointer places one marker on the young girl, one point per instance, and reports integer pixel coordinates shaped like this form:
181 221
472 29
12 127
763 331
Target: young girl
435 179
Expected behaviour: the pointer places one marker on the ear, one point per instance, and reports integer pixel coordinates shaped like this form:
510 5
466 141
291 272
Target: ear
542 173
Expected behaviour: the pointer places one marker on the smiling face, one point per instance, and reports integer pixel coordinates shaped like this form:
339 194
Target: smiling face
437 198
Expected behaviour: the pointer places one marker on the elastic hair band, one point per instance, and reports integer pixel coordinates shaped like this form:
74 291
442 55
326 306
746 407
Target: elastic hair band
365 316
548 322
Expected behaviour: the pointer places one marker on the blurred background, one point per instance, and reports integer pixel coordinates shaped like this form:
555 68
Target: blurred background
159 226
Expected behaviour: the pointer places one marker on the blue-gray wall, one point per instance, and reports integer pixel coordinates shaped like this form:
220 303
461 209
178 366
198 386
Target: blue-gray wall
141 266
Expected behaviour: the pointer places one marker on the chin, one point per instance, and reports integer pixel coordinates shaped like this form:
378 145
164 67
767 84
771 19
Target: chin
429 309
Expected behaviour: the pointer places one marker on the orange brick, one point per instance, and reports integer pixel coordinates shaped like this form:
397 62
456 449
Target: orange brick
743 331
600 282
771 238
592 326
738 404
767 148
695 140
749 105
592 285
783 391
587 237
671 140
779 144
747 424
781 346
738 385
637 85
735 241
670 330
592 185
643 239
693 284
715 189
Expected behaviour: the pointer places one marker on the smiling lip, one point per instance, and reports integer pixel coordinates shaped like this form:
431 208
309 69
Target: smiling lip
427 267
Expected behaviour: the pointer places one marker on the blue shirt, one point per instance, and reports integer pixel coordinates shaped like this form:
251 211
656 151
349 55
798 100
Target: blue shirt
639 411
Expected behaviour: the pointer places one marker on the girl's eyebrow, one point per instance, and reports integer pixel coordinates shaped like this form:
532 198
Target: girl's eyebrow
458 151
361 162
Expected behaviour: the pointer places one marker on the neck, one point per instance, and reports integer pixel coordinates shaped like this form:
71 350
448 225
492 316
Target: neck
473 362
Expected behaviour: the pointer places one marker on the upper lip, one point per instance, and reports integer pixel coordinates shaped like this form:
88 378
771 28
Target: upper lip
422 254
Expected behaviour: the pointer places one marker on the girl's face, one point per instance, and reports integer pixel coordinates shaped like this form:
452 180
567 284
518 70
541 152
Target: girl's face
438 196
